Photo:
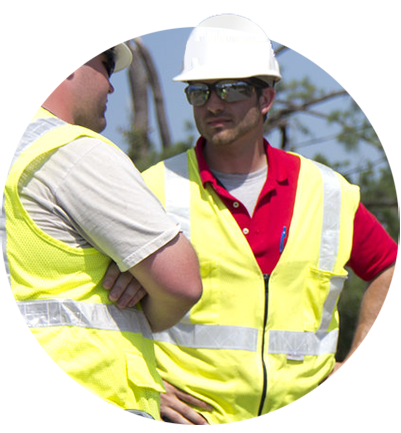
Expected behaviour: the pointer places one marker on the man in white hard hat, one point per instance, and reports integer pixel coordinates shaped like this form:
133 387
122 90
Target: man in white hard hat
273 232
73 203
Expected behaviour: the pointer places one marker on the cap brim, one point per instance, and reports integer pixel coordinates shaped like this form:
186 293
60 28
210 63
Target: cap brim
123 57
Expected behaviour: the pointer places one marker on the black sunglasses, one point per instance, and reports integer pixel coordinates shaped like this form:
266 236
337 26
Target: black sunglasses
110 62
226 90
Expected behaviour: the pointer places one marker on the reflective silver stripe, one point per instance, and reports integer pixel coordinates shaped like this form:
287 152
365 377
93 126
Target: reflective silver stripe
177 191
14 138
5 282
210 337
66 312
336 287
11 135
330 238
298 344
11 145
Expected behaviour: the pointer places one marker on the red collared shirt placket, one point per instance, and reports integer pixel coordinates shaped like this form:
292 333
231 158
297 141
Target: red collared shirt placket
267 229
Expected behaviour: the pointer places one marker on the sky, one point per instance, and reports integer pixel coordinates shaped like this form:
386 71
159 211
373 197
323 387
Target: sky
167 51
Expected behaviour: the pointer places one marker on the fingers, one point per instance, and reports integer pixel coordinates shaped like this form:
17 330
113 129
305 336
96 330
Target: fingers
111 276
132 295
174 407
182 416
124 289
190 399
126 292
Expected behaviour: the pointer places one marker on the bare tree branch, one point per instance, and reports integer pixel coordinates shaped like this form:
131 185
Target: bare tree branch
157 93
138 81
291 108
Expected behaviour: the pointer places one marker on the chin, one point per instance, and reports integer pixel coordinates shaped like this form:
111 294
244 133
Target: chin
100 126
221 139
96 125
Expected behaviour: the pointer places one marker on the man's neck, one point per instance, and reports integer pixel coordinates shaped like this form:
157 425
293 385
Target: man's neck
59 103
236 159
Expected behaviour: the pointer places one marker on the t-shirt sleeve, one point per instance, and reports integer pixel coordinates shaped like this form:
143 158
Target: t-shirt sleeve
106 198
373 249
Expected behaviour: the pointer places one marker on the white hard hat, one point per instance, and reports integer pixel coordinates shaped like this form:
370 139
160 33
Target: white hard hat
229 46
123 56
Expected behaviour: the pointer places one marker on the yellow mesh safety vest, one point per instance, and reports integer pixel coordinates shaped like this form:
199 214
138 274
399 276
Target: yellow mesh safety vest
255 343
59 291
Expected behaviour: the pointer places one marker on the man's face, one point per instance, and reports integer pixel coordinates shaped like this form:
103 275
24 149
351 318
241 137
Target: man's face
222 123
91 88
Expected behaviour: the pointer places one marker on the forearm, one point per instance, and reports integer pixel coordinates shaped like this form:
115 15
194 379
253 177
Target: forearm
172 281
163 313
372 302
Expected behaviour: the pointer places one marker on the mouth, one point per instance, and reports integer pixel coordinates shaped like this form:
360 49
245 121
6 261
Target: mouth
218 122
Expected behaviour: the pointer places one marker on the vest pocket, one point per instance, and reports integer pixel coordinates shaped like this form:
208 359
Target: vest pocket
143 374
321 293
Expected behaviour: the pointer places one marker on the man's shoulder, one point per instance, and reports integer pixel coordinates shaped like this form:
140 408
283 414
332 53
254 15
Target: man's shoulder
176 160
278 155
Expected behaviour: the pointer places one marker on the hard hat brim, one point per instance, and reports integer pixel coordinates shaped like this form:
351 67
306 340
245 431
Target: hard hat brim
201 74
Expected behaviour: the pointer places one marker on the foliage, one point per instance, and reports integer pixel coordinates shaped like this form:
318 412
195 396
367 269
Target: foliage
143 152
303 97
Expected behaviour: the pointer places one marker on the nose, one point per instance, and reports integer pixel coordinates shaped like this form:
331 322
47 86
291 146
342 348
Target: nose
214 104
111 88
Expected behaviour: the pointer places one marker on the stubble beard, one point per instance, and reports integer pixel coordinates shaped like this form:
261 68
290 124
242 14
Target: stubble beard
227 136
94 120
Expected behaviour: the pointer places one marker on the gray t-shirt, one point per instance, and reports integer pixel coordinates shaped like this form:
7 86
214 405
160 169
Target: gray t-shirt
89 194
244 187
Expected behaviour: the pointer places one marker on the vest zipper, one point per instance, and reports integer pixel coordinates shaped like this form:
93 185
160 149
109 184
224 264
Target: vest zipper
266 278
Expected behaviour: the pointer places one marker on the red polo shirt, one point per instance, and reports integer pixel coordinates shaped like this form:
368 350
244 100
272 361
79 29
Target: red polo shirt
267 230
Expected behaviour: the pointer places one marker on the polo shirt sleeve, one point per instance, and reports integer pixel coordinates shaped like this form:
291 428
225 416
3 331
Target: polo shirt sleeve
373 249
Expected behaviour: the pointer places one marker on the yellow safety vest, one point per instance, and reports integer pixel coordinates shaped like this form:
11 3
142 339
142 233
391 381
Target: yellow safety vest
59 291
255 343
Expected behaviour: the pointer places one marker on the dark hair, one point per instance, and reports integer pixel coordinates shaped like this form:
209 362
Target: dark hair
259 86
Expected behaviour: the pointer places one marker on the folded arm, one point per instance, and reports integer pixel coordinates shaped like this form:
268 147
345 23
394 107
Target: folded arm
167 282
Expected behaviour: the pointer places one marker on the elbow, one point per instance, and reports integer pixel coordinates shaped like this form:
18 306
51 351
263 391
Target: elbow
169 309
191 293
195 292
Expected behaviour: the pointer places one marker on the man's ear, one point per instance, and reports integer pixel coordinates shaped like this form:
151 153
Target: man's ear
266 99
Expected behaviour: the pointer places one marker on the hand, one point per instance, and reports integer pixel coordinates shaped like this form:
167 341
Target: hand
337 365
125 290
173 407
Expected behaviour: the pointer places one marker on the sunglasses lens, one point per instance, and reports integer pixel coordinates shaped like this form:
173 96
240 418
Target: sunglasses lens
110 62
233 92
197 94
229 91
